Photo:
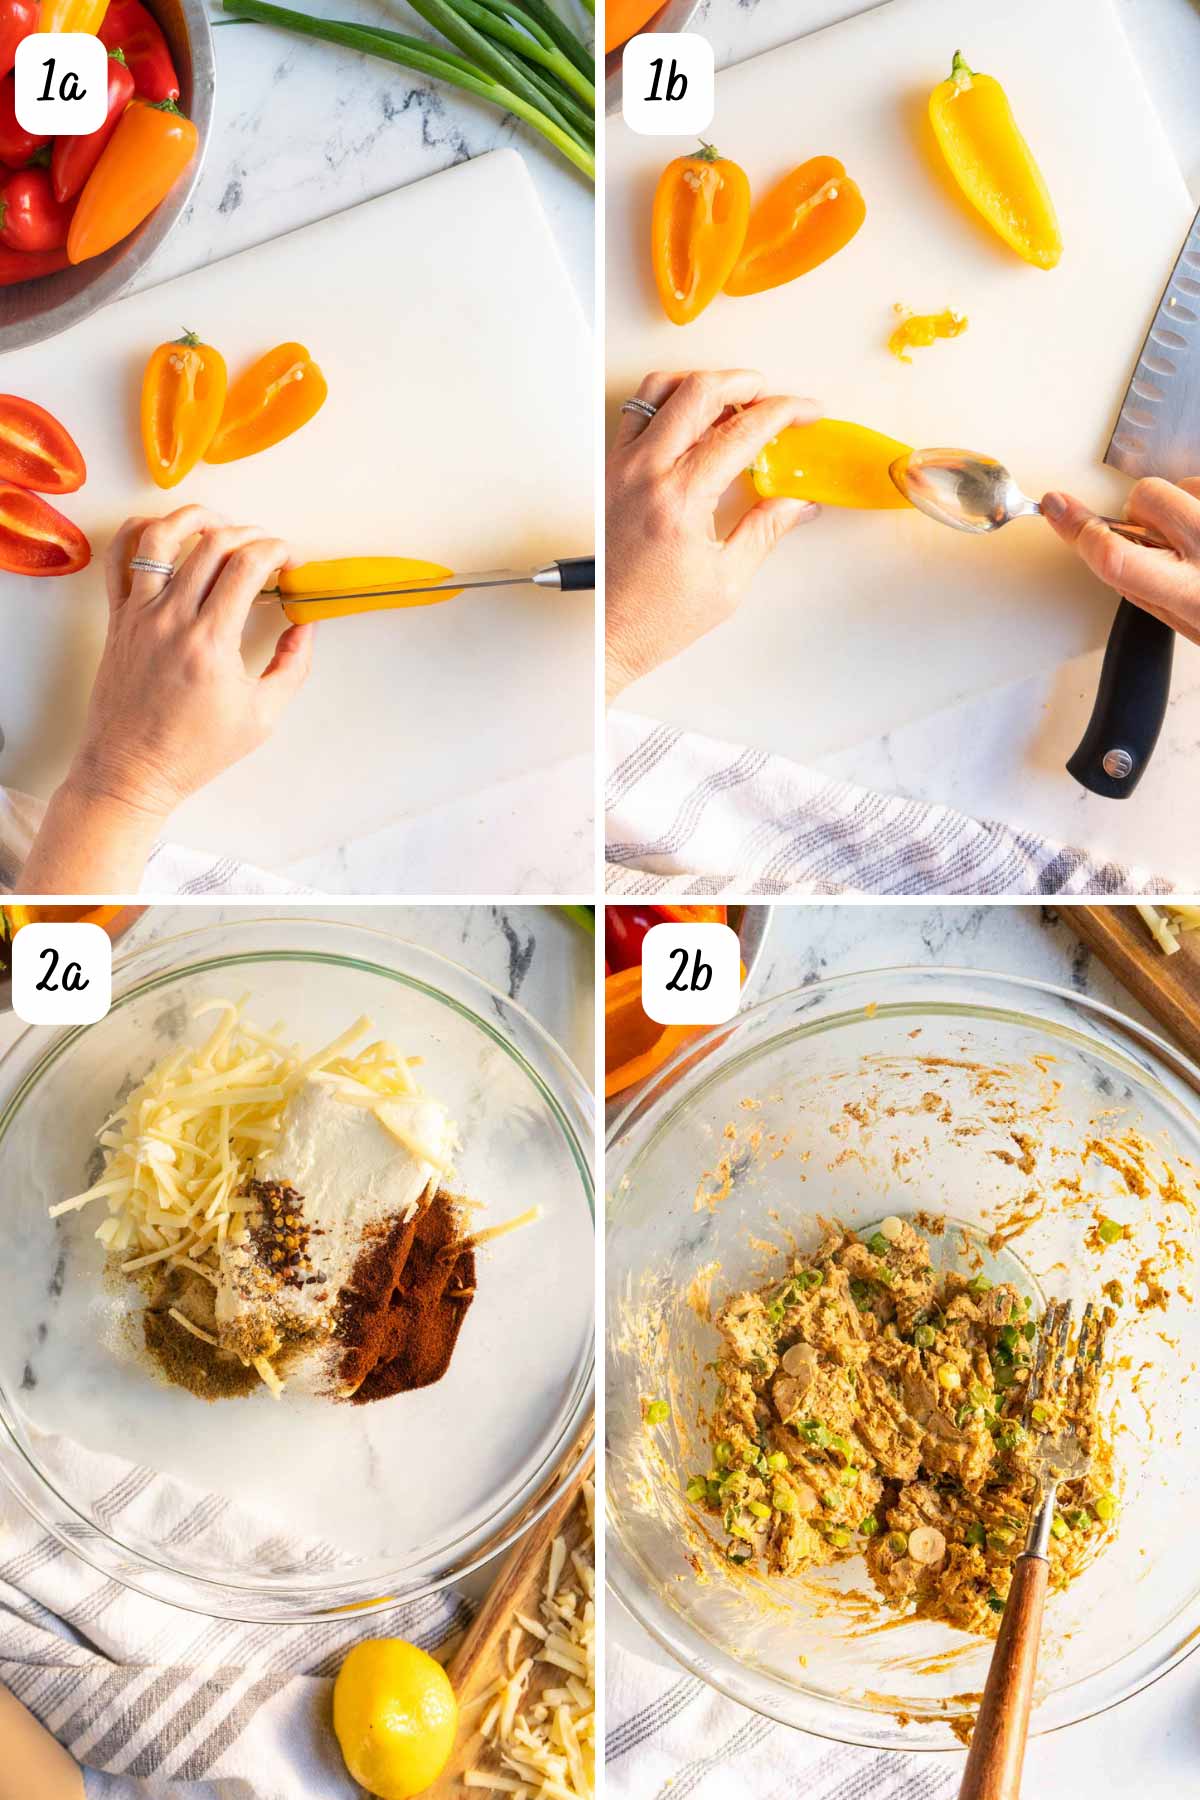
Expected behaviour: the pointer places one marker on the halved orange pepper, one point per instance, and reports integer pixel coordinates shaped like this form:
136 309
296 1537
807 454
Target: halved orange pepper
992 164
805 219
701 211
634 1046
356 576
270 400
145 156
833 462
183 394
623 19
73 15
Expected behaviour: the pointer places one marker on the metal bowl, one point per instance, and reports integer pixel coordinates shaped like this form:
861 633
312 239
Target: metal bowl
41 309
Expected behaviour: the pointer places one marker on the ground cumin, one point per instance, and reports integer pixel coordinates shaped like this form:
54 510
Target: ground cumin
409 1294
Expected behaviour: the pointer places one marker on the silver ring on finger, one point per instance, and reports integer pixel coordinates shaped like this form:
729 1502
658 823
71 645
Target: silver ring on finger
150 565
646 408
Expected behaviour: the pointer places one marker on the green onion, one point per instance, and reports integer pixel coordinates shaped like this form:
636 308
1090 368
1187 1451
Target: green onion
837 1535
1105 1507
878 1244
1110 1231
995 1602
758 1509
898 1542
1058 1526
722 1454
777 1460
869 1526
979 1284
494 61
1029 1329
924 1336
783 1499
657 1411
697 1488
810 1278
848 1478
976 1534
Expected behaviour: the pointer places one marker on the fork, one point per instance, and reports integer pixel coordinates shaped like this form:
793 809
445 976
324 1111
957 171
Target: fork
997 1752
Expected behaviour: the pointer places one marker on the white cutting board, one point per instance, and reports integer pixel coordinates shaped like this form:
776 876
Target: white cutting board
863 622
458 427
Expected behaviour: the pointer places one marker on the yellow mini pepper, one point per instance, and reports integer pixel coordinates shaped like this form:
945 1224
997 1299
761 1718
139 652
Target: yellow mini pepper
992 164
73 15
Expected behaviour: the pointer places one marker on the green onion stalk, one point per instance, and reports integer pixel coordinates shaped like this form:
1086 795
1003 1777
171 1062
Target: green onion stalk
515 54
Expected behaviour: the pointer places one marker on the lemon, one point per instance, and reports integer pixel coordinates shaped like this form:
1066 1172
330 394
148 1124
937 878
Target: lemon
395 1716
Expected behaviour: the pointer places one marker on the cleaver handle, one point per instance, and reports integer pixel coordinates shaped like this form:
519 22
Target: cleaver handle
1131 704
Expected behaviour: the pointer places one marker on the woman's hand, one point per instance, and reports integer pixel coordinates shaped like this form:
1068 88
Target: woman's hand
173 704
669 578
1164 584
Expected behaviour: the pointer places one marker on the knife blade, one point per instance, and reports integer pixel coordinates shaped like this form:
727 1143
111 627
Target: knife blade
569 574
1157 433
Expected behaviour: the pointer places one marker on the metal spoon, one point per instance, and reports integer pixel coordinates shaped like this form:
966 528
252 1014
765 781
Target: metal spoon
975 493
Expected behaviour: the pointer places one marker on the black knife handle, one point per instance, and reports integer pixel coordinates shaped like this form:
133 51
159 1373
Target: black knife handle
578 573
1131 704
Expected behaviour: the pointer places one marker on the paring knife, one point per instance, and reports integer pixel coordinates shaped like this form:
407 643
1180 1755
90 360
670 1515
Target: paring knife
1157 433
570 574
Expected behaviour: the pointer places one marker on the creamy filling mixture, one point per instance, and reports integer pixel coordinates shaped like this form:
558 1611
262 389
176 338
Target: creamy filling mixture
869 1406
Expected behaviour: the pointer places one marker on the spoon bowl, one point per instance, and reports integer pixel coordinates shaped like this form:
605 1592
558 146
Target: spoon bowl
972 492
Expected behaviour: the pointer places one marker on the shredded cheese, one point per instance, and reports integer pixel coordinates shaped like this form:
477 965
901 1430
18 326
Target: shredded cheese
180 1149
1165 922
546 1750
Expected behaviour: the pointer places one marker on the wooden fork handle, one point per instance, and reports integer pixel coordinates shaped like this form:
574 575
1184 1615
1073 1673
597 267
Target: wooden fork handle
997 1751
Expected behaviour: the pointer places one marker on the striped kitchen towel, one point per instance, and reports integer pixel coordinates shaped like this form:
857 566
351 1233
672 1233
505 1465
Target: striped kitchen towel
671 1737
170 869
160 1704
687 814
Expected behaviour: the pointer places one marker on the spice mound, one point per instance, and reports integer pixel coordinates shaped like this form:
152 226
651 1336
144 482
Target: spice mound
869 1406
285 1216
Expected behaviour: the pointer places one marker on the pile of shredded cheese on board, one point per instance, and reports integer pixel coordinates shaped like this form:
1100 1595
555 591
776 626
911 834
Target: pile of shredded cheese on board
546 1743
181 1147
1164 923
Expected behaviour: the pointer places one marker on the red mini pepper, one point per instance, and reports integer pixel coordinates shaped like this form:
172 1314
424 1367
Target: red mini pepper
36 451
18 20
128 26
29 265
35 539
73 158
16 144
30 217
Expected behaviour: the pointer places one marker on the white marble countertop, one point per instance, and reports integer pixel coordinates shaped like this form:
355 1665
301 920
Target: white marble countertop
1149 1744
962 756
304 129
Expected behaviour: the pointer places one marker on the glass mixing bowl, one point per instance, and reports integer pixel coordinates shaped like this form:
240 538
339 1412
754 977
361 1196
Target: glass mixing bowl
1007 1107
286 1510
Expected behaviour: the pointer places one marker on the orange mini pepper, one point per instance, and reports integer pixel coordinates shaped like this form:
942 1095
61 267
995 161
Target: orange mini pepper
145 156
183 393
623 19
73 15
270 400
634 1046
701 211
805 219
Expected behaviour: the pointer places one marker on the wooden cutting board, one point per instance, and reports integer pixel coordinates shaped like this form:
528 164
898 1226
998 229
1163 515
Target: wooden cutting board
863 622
1167 986
482 1657
458 427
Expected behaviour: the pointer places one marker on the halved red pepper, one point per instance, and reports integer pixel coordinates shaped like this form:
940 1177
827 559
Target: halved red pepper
18 20
30 217
29 265
16 144
129 27
35 539
36 451
73 158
